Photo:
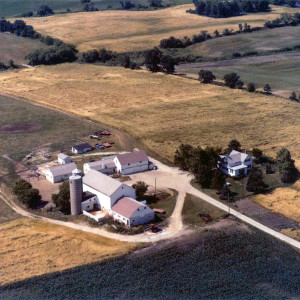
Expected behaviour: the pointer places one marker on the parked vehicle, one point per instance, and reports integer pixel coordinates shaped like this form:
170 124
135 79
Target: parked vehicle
99 146
205 217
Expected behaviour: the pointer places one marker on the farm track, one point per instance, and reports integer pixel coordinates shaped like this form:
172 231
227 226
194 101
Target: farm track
239 61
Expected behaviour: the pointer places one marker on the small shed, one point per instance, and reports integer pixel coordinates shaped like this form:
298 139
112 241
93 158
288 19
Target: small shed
63 159
82 148
60 173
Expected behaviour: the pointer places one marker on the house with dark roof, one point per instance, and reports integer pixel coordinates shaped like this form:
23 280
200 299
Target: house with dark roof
133 162
131 212
81 148
236 163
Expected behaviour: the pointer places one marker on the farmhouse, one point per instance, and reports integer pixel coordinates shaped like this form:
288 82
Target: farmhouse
60 173
107 190
105 166
63 159
236 163
131 212
129 163
82 148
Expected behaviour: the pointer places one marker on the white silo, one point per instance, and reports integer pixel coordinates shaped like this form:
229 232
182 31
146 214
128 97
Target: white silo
75 194
77 172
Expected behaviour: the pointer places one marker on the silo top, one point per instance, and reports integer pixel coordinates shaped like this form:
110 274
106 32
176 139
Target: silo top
77 172
75 177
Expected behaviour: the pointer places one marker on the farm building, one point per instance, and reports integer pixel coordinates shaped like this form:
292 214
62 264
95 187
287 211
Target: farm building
131 212
105 166
236 163
134 162
82 148
60 173
107 190
63 159
89 202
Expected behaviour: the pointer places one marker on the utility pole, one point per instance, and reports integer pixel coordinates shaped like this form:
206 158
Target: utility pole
155 186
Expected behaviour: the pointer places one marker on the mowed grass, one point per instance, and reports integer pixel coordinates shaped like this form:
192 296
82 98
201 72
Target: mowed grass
57 129
162 111
138 30
283 76
264 40
15 47
30 248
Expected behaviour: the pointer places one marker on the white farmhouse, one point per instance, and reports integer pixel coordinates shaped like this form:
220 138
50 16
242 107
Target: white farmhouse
107 190
134 162
131 212
63 159
236 163
82 148
60 173
105 166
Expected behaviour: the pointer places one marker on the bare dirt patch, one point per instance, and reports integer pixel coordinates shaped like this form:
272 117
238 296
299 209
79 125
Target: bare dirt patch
13 128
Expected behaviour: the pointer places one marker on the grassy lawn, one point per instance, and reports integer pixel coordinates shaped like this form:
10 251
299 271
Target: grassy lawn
234 262
138 30
30 248
15 47
161 111
194 206
282 76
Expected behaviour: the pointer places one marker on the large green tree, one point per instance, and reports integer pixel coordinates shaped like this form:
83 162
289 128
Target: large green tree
140 189
232 80
62 199
234 145
255 181
206 76
182 157
286 166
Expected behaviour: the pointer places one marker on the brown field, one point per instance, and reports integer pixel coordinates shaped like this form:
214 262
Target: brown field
160 110
15 47
285 201
137 30
30 248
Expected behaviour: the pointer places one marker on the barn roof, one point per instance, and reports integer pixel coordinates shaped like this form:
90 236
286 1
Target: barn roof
126 207
62 156
132 157
82 146
63 169
102 183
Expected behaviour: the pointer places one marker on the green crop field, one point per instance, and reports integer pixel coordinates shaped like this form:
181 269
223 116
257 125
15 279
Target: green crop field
10 8
283 76
15 47
235 262
264 40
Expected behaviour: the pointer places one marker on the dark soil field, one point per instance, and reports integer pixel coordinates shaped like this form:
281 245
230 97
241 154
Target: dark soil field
13 128
235 262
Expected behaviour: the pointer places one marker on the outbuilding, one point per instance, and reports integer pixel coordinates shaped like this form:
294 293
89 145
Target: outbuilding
63 159
60 173
105 166
131 212
81 148
133 162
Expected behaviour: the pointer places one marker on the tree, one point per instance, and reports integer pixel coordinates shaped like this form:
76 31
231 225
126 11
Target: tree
182 157
216 33
44 10
62 199
293 96
140 189
155 3
255 181
267 89
251 87
234 145
232 80
257 153
20 186
168 64
286 166
226 193
206 76
152 59
217 180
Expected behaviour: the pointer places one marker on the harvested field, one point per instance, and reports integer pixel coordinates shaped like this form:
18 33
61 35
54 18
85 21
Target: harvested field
138 30
160 110
13 128
30 248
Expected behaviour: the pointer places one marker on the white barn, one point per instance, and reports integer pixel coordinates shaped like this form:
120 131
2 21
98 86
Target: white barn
236 163
131 212
60 173
63 159
105 166
107 190
134 162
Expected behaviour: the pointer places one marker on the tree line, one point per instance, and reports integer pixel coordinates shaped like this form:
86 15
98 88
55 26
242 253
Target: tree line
284 20
226 9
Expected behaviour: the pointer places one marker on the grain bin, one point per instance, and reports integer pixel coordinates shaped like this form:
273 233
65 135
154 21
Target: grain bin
75 194
77 172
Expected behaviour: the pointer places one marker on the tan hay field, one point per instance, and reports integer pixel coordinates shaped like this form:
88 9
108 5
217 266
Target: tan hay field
136 30
31 248
161 110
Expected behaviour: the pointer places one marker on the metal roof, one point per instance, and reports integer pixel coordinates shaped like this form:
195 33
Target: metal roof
82 146
63 169
236 157
127 206
101 183
132 157
62 156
